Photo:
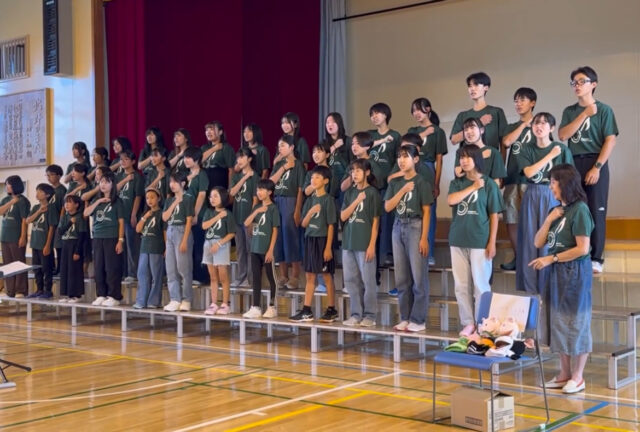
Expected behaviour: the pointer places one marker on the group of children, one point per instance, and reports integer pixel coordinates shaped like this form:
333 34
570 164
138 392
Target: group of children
178 213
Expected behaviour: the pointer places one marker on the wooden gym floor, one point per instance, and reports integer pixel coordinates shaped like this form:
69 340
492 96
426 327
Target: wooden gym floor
96 378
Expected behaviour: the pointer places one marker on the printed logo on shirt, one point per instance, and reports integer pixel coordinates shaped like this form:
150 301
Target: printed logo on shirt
173 219
212 229
465 206
375 153
150 224
402 205
39 224
552 236
284 178
209 161
539 176
101 215
70 233
240 196
577 137
256 226
123 191
354 215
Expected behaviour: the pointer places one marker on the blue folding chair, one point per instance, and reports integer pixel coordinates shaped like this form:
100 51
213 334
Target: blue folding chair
491 364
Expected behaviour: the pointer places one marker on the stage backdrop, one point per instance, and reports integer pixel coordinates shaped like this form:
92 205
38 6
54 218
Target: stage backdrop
183 64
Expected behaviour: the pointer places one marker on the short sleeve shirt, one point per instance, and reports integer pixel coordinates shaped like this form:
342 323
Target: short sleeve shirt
74 229
243 200
532 154
262 228
303 150
12 221
291 180
434 144
222 227
163 184
262 157
576 221
106 218
385 154
130 191
182 211
514 172
328 215
223 158
411 203
590 136
493 131
470 221
152 235
356 232
493 164
40 226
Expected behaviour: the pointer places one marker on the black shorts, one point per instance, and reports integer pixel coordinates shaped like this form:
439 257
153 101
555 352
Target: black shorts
313 259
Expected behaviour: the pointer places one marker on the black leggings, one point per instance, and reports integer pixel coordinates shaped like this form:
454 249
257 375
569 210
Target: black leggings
257 262
108 268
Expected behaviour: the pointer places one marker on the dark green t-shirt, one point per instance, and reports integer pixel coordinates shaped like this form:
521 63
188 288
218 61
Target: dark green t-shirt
183 210
115 161
40 226
332 188
58 197
356 232
163 185
303 150
291 180
470 222
385 154
73 164
424 171
434 144
262 229
130 190
152 240
12 220
106 218
410 206
200 183
72 230
514 172
339 166
243 201
576 221
327 216
590 136
493 131
223 158
262 157
224 226
179 166
493 164
532 154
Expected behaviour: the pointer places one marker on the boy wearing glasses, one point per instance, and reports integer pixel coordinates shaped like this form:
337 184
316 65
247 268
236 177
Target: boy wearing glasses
590 128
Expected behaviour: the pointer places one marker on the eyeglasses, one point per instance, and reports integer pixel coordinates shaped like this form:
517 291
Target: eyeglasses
579 82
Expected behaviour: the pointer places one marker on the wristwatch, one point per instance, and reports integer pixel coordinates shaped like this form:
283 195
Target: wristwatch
598 165
555 258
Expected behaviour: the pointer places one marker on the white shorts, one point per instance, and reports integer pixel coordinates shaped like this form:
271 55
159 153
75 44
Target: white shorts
220 258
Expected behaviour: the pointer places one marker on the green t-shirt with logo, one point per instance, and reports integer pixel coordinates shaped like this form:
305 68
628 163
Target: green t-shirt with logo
40 226
224 226
12 220
130 190
576 221
57 199
200 183
223 158
327 216
385 154
410 206
243 200
114 161
182 211
262 228
163 184
339 166
152 236
376 170
434 144
332 188
532 154
291 180
493 131
424 171
590 136
179 166
106 218
356 232
470 221
261 157
303 150
493 164
514 172
72 230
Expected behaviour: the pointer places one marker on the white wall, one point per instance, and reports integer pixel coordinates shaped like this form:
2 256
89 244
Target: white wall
429 50
73 104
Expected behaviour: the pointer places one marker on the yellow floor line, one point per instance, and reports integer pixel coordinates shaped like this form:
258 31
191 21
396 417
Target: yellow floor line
68 366
607 428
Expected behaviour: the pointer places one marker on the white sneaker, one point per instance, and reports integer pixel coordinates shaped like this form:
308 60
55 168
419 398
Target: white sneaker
292 284
271 312
367 322
595 266
73 300
351 322
432 261
254 312
185 306
19 295
110 301
98 301
63 300
129 279
413 327
173 306
401 326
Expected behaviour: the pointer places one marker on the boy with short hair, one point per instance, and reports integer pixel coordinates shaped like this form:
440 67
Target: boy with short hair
517 135
319 219
44 218
264 221
492 118
590 128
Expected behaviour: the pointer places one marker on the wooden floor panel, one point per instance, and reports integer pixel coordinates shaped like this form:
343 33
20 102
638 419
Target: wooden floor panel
94 378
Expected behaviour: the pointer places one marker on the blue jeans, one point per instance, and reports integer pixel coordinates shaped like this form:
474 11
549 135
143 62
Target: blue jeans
132 250
433 218
150 271
411 270
179 265
287 248
360 281
385 247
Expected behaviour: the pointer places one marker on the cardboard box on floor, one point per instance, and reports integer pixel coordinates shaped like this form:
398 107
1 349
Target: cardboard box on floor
471 408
